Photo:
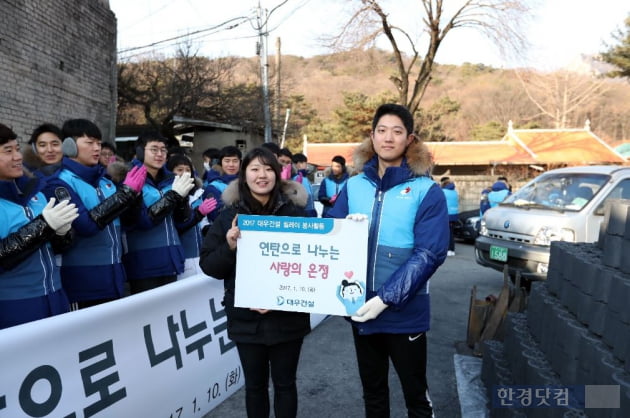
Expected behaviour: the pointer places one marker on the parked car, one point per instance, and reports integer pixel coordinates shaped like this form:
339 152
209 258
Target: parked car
561 205
467 228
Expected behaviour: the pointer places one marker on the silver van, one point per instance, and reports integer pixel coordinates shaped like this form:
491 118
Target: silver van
566 204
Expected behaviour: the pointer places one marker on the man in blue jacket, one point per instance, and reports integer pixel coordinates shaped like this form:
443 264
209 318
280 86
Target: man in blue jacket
452 204
333 183
229 165
154 254
407 242
31 229
92 270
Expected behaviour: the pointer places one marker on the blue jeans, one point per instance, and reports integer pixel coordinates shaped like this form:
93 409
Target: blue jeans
282 359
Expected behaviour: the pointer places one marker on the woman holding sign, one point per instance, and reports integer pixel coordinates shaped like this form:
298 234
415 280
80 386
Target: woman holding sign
267 341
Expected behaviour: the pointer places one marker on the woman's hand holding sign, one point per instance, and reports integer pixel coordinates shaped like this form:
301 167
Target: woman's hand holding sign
233 234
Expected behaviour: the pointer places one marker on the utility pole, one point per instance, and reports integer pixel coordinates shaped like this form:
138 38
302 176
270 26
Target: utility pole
278 100
264 68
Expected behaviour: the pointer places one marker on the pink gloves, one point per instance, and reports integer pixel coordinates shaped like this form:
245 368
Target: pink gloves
333 198
135 178
207 206
286 172
299 178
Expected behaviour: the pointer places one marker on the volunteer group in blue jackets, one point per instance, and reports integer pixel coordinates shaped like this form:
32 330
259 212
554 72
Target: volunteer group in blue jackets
82 227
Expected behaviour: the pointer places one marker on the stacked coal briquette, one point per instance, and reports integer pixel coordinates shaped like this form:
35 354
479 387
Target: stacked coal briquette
576 329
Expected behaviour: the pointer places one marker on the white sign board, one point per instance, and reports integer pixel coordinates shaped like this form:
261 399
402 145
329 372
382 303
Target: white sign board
314 265
162 353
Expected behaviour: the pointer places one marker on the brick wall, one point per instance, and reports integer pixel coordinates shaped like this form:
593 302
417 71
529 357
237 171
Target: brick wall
57 61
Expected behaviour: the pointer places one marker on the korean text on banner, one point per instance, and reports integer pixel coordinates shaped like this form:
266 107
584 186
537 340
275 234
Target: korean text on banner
314 265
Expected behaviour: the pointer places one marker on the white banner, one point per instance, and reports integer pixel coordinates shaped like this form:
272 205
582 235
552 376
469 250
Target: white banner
163 353
314 265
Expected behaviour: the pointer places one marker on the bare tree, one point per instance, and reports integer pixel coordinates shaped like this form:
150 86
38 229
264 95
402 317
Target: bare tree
157 90
499 20
560 94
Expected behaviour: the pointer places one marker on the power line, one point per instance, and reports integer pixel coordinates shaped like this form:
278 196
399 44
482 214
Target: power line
242 19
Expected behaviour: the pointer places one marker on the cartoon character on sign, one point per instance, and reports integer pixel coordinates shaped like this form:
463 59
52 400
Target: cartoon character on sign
351 293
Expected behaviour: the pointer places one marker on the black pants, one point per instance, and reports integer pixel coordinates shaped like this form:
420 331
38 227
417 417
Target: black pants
451 238
142 285
409 357
256 360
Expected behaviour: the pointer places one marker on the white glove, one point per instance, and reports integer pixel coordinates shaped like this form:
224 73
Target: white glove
357 217
183 184
370 310
60 217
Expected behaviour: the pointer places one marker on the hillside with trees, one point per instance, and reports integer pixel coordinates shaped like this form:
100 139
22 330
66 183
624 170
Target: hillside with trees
332 97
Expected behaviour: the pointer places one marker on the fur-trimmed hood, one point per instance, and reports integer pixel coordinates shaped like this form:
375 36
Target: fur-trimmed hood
30 159
291 190
117 171
418 157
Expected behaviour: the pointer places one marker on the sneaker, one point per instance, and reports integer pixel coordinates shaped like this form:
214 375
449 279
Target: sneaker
450 253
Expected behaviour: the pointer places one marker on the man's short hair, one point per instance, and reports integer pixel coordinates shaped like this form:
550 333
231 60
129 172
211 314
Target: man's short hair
286 152
230 151
76 128
273 147
298 157
45 128
397 110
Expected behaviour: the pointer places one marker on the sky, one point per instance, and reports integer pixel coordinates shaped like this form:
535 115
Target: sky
559 32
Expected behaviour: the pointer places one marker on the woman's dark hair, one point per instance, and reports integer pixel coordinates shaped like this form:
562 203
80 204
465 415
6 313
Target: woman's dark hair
45 128
267 158
179 159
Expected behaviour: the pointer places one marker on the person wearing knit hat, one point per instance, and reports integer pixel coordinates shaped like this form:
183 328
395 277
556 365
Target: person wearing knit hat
333 183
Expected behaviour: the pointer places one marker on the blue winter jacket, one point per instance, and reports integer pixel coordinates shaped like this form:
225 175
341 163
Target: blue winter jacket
407 242
452 201
499 192
32 288
92 268
214 189
330 187
190 232
153 249
310 204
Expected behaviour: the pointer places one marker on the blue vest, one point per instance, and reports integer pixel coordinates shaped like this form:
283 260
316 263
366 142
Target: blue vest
156 251
452 203
219 185
494 198
104 247
38 274
393 215
332 188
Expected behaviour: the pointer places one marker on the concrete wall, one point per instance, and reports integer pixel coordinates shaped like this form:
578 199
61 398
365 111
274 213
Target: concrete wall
57 61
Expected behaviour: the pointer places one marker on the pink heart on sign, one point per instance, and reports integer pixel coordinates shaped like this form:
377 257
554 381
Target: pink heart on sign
348 274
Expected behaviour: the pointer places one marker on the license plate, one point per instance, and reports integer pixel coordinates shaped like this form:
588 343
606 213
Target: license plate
498 253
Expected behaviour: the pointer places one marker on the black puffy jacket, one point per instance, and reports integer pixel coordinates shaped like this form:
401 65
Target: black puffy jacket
219 261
